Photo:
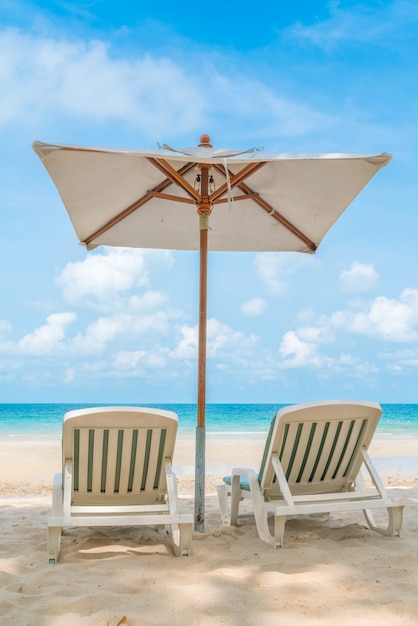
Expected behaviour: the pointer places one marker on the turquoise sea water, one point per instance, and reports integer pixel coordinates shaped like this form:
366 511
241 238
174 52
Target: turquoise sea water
23 420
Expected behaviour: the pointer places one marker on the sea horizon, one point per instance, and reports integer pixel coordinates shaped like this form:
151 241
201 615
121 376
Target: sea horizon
222 419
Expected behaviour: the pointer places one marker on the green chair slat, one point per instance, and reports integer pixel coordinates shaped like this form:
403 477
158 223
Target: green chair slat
357 445
161 451
294 450
134 447
104 460
344 449
331 454
307 452
320 451
118 461
120 452
146 460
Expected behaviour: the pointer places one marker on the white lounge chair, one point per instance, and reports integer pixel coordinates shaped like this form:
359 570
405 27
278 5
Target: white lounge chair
117 472
312 463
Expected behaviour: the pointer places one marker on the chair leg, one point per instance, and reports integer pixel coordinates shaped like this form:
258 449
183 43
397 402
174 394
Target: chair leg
279 525
54 542
223 504
235 499
261 520
393 528
182 538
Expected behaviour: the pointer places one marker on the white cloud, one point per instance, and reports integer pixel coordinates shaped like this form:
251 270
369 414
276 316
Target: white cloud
254 307
390 319
312 333
128 359
305 354
274 268
83 79
137 359
361 23
400 360
98 336
47 78
120 327
394 320
187 346
297 353
221 340
359 278
101 279
48 338
240 96
220 336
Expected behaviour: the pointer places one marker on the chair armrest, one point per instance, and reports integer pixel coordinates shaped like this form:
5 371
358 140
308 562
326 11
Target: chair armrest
248 474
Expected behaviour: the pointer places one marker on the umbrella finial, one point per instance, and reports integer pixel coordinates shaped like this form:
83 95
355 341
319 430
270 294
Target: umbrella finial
205 141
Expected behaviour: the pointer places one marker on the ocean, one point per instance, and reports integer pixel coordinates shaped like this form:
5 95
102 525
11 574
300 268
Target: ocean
36 420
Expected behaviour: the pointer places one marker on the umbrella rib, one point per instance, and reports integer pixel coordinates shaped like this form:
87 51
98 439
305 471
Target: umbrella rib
171 197
175 177
249 193
279 218
135 205
236 179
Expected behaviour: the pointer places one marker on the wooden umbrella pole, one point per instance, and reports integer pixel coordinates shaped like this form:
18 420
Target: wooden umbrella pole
204 210
200 473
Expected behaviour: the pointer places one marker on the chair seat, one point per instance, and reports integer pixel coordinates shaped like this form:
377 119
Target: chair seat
243 482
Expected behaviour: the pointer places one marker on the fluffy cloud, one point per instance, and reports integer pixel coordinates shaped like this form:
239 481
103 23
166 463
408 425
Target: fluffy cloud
298 353
49 338
221 340
384 318
100 335
254 307
102 278
142 359
82 79
359 278
389 319
187 346
274 268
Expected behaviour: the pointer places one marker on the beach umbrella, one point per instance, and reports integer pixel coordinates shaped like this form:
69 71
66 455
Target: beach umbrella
204 199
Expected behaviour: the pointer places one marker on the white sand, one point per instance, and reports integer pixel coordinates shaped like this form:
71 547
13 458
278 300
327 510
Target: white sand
332 570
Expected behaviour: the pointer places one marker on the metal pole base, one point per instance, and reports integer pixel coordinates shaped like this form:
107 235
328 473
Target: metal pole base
199 489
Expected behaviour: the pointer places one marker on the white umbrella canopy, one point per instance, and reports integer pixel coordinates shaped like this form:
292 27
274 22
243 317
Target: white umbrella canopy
170 199
309 191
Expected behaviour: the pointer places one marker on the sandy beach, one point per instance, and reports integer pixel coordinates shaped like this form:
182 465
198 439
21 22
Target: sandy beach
332 570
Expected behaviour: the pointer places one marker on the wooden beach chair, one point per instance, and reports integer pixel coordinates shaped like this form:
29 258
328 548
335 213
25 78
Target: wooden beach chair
312 463
117 472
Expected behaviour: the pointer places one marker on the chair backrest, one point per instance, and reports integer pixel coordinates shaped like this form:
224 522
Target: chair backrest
118 454
318 444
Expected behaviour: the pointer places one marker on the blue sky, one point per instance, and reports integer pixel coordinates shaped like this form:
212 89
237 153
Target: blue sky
120 325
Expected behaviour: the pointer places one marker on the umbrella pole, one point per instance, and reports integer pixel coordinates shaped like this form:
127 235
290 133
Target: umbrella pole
204 210
201 386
